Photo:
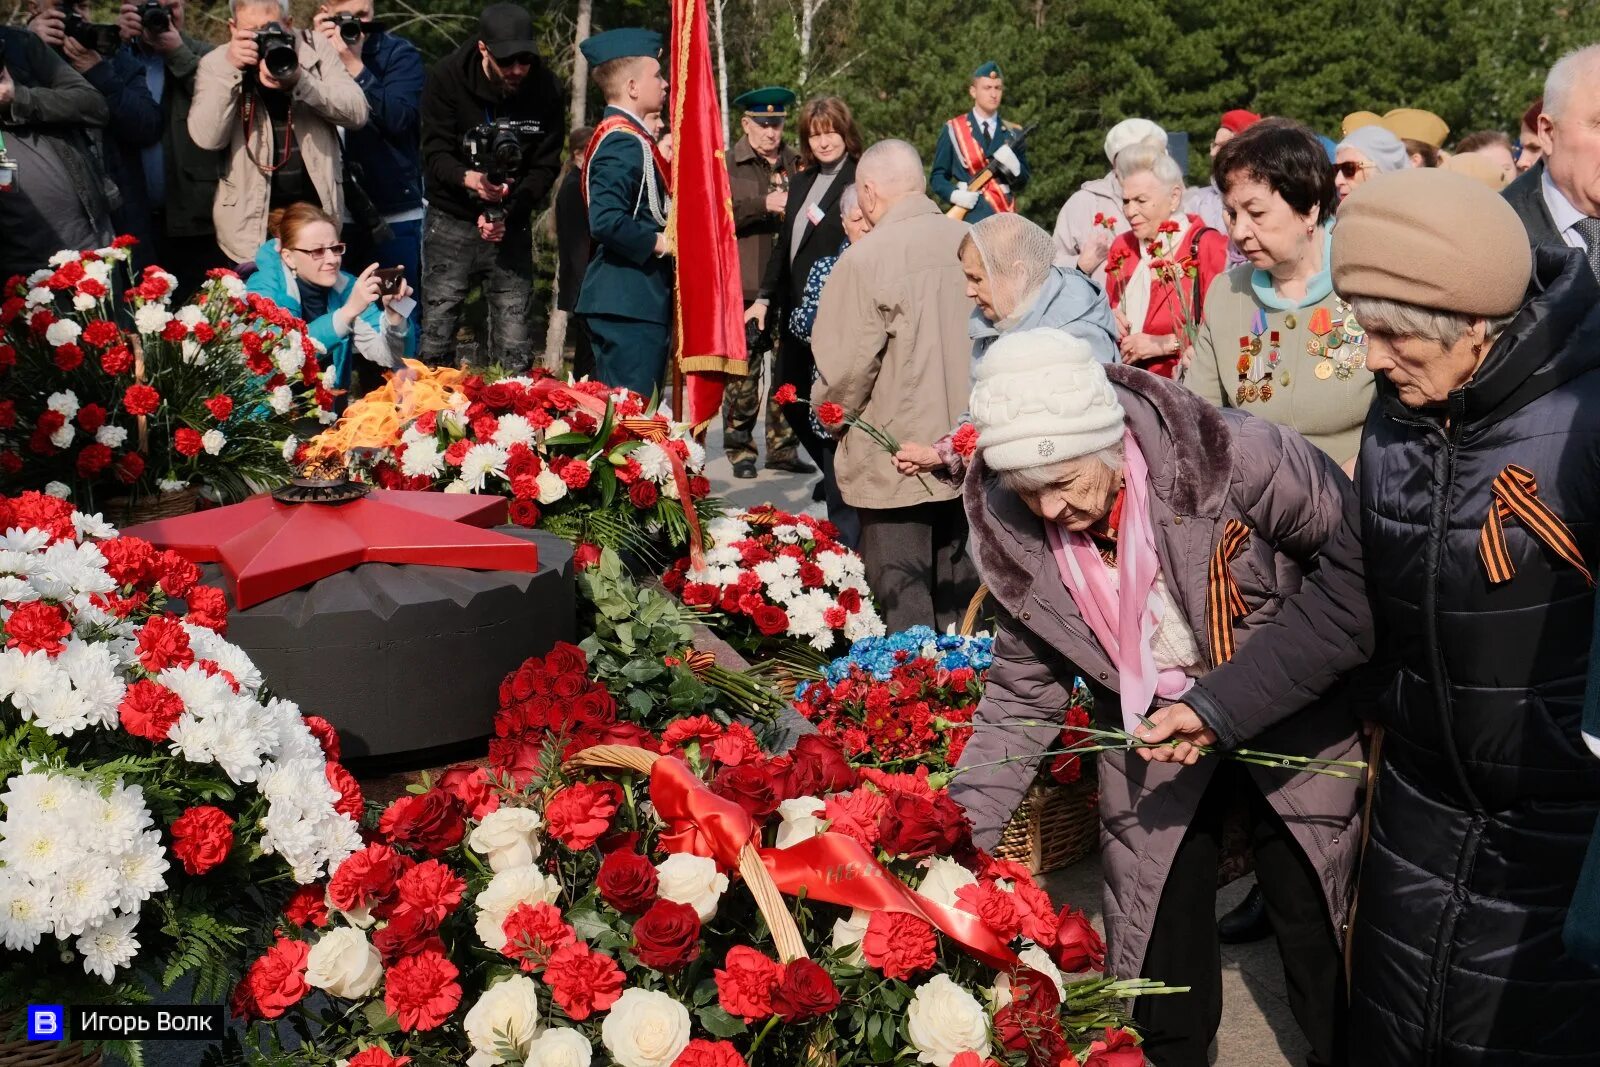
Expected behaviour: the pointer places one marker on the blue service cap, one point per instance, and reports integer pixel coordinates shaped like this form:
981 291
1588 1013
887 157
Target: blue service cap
990 69
621 44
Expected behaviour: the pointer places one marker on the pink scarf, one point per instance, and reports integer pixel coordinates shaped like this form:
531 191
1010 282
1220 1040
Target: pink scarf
1124 632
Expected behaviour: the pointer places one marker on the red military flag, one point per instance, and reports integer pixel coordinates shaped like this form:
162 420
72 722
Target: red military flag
708 301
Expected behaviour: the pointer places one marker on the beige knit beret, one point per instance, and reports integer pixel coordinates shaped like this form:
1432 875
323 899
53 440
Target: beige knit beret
1431 238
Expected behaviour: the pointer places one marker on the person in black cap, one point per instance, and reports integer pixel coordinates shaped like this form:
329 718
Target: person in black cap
478 227
626 302
759 168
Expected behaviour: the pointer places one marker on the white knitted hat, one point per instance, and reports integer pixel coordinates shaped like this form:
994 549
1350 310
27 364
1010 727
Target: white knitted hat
1040 398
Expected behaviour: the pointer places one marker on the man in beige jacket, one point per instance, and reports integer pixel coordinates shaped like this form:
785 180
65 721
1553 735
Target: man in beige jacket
891 347
280 131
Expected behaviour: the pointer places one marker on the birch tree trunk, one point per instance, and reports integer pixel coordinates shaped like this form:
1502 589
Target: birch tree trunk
717 8
580 66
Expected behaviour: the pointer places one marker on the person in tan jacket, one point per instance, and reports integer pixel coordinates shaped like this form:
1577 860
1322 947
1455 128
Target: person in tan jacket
892 348
280 132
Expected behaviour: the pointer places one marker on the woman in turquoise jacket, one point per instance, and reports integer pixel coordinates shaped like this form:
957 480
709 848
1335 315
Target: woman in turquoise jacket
298 268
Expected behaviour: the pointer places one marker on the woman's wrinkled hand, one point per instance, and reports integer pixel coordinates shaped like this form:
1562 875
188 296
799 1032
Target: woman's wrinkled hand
1175 722
914 459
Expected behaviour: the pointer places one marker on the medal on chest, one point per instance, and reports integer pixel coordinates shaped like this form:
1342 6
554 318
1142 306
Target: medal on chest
1258 363
1338 345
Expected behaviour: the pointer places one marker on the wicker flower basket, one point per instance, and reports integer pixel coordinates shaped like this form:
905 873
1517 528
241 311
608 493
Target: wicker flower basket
24 1053
1056 825
126 511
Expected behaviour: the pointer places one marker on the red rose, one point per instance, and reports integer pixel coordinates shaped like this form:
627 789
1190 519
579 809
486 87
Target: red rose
186 441
201 838
472 787
1031 1023
308 906
566 658
667 936
141 399
583 981
37 627
163 643
377 1057
746 982
817 768
525 513
806 992
915 825
1077 946
785 394
627 881
430 823
703 1053
534 933
643 494
275 983
1117 1049
586 555
898 944
580 814
753 788
220 406
499 396
366 877
699 487
770 619
421 990
830 414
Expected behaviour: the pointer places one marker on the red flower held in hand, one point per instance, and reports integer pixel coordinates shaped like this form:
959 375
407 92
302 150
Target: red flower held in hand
37 627
202 838
421 990
162 643
581 814
830 414
806 992
186 441
965 439
628 882
898 944
430 823
534 933
667 936
746 982
786 394
141 400
582 981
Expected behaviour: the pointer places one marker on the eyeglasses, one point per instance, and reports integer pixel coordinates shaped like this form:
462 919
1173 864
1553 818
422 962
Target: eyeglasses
319 253
1351 169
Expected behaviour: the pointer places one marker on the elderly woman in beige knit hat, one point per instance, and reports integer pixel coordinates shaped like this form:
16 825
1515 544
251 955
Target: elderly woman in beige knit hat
1479 471
1199 569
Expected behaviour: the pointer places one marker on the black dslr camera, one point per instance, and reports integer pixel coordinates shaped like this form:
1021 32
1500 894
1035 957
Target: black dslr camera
276 47
154 17
502 149
101 37
351 27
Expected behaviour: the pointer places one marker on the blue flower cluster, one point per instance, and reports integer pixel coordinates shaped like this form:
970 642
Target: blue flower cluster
879 656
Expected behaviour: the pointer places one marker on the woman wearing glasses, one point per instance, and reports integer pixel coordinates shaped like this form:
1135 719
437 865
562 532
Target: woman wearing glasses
1369 151
1274 339
298 268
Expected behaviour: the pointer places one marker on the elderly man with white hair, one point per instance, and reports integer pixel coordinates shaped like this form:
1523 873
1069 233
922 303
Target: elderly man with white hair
891 347
273 99
1558 199
1093 215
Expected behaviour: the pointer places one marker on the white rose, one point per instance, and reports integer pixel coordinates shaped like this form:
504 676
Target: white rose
457 486
212 441
559 1047
685 878
943 879
505 1017
62 332
361 917
344 963
557 428
800 820
507 837
944 1021
646 1028
551 487
507 889
847 933
111 436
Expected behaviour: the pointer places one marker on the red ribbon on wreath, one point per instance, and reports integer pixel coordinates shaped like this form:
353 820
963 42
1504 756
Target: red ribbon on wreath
655 431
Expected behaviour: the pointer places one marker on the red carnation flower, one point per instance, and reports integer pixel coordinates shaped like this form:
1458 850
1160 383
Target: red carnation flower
220 406
643 494
130 468
534 933
746 981
366 877
701 1052
140 399
580 814
993 905
163 643
91 417
898 944
421 990
472 787
68 357
785 394
965 439
575 473
37 627
100 333
350 800
275 983
583 981
186 441
175 574
117 360
430 823
432 889
377 1057
308 906
830 414
202 837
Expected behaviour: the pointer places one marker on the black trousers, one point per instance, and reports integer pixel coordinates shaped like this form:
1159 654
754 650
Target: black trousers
795 364
917 563
1184 950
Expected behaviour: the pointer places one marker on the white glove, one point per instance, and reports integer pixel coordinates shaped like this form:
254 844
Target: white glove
1008 161
964 198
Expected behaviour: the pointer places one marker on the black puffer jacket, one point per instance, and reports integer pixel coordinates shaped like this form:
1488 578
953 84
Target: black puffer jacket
1487 794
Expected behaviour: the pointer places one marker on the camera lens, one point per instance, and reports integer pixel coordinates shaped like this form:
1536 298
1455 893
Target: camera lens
350 31
154 18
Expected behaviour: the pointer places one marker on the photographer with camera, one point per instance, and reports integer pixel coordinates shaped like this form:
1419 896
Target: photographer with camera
493 119
275 99
383 159
52 191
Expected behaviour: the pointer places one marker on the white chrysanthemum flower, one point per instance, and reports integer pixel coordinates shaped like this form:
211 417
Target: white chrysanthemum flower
212 441
94 526
480 462
35 848
14 590
513 429
60 712
66 401
422 458
82 893
111 436
864 623
62 332
24 911
141 871
151 318
697 455
25 677
282 399
109 945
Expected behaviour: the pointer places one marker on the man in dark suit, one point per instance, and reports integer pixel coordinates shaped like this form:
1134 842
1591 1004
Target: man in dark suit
626 302
572 246
1558 199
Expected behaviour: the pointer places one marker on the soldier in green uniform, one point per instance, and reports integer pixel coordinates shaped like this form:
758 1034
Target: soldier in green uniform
759 168
969 143
626 300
